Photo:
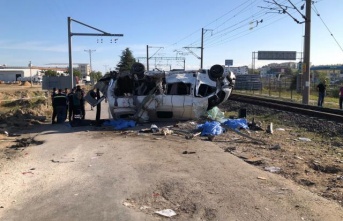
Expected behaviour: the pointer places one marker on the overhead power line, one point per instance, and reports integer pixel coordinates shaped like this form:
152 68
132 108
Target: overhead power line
317 13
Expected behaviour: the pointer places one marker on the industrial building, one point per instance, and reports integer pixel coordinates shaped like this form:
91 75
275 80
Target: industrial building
19 73
10 74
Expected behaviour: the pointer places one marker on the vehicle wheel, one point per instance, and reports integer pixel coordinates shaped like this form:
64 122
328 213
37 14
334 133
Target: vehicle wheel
138 70
216 72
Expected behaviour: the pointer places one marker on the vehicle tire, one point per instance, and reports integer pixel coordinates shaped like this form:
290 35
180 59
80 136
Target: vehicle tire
137 69
216 72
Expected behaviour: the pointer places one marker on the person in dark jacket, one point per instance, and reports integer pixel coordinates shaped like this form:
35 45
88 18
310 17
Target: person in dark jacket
340 94
70 104
93 95
53 93
59 104
322 92
78 103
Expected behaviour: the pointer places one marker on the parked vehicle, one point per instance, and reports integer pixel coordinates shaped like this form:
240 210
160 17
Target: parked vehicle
35 79
157 95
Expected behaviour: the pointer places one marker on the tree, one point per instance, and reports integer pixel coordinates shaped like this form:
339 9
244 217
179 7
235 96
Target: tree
126 61
95 76
50 73
76 73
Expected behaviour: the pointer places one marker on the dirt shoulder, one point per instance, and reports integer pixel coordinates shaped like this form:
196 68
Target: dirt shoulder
101 174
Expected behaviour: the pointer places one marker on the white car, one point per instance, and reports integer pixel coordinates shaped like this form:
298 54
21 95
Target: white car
158 95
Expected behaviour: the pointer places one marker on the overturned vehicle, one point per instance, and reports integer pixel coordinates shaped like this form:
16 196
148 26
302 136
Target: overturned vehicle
159 95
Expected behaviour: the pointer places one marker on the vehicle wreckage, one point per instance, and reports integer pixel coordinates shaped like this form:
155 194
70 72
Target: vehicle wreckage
159 95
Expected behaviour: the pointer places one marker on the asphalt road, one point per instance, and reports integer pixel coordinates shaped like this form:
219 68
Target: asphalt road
95 173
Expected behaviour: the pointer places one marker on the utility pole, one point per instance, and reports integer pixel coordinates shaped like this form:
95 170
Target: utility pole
147 57
307 44
106 66
203 31
202 48
70 34
307 48
90 58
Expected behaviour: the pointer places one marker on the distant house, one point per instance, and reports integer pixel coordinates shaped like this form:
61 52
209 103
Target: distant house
240 70
10 75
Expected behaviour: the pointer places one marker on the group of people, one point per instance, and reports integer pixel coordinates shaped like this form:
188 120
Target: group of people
65 104
321 87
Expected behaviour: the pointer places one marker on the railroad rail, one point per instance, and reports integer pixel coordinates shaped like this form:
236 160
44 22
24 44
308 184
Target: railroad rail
313 111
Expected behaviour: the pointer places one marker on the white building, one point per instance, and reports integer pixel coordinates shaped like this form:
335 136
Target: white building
10 75
84 69
240 70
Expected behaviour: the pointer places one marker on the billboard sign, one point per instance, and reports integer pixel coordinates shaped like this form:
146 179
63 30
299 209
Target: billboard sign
277 55
228 62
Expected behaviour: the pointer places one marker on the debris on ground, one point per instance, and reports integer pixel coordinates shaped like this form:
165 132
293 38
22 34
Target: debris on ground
192 135
273 169
188 152
270 128
166 212
304 139
166 131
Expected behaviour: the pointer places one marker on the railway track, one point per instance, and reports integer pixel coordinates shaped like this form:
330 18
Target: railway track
313 111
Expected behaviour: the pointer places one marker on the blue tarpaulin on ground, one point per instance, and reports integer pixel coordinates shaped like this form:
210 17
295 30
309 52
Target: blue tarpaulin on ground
215 128
210 128
120 124
237 123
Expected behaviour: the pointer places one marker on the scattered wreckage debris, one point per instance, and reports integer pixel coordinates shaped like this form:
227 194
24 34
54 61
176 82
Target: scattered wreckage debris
317 166
166 213
8 134
188 152
25 142
63 161
166 131
192 135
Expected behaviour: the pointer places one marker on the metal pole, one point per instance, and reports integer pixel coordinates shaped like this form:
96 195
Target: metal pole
90 58
202 48
70 55
147 57
307 47
252 62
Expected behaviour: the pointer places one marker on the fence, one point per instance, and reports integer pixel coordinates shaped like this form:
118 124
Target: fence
288 88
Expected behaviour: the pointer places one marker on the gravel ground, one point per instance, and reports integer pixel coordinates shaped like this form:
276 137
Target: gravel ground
316 164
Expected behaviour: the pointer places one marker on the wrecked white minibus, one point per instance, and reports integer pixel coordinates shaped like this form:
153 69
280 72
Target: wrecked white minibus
158 95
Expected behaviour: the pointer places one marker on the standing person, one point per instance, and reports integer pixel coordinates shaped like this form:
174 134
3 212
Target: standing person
59 105
53 93
78 103
93 95
341 97
65 92
98 107
322 92
83 111
70 104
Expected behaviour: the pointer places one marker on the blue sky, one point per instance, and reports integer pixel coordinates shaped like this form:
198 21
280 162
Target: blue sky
37 31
